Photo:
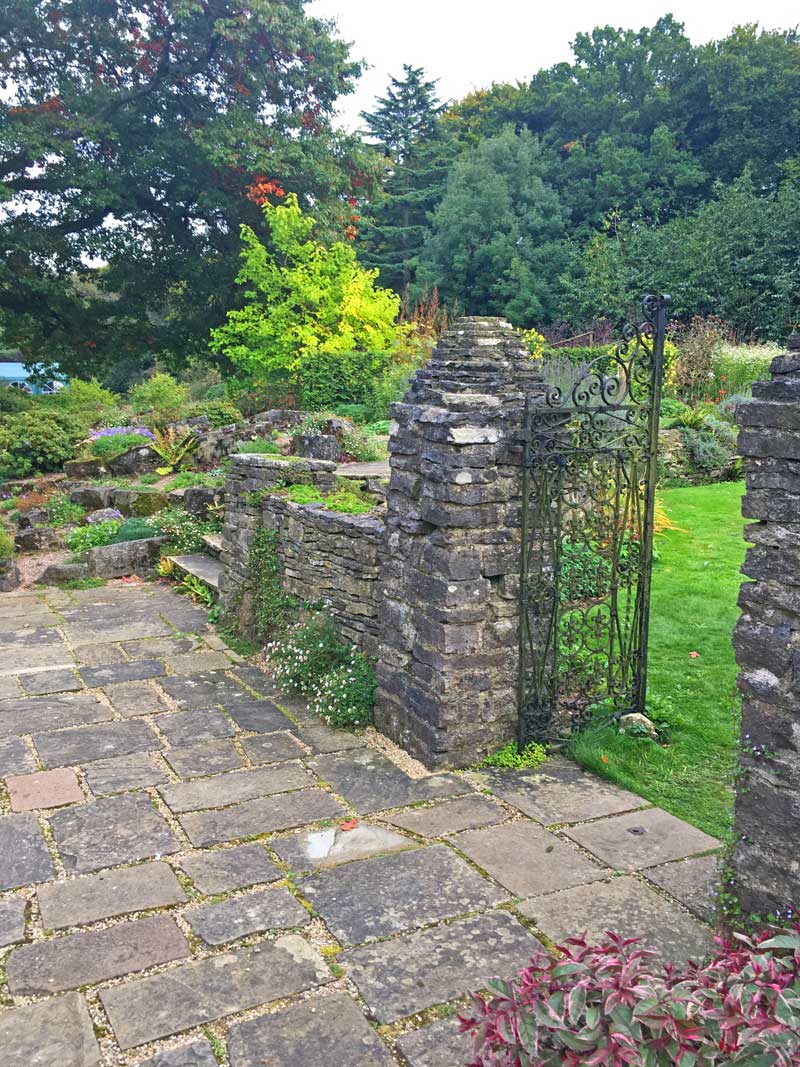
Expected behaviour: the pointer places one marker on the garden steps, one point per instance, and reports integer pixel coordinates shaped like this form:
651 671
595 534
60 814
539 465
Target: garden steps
213 544
201 566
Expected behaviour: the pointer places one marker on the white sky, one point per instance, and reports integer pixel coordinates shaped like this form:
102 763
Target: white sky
468 44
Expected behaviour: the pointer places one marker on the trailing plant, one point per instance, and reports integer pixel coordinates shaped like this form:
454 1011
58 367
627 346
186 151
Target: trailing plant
608 1005
174 446
92 536
273 608
510 756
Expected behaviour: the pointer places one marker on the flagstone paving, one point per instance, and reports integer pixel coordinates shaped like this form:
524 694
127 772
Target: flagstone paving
194 870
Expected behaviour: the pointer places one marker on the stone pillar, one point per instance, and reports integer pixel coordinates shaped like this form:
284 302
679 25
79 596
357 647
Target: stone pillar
766 860
448 661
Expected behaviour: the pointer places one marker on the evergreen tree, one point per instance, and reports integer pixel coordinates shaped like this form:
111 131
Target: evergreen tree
405 125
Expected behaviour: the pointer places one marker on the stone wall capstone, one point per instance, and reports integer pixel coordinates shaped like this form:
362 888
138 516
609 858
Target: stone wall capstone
448 652
766 858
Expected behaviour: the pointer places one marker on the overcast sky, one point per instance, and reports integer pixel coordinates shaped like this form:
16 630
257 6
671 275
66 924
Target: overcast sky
468 44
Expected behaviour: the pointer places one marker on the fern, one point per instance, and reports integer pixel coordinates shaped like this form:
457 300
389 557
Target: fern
173 446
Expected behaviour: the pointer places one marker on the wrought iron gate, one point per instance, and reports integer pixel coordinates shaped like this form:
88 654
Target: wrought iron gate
588 504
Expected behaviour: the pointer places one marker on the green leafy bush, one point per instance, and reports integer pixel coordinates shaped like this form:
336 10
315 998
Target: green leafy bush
379 428
259 445
510 756
362 447
135 530
107 448
6 546
736 368
161 396
706 452
36 441
344 697
61 511
92 536
87 400
174 446
219 411
690 418
355 412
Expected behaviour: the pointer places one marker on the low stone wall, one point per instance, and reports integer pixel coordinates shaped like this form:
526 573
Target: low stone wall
766 859
324 555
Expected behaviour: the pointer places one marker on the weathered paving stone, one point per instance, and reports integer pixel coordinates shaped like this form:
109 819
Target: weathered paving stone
108 894
527 859
135 698
189 727
257 680
641 839
314 849
383 896
437 1045
213 757
321 738
198 1054
9 690
370 782
98 655
408 974
123 772
229 868
75 960
52 1032
693 882
160 647
110 831
43 682
264 815
15 757
450 817
12 921
224 789
44 789
317 1033
625 906
105 619
111 673
201 690
560 792
266 909
272 748
260 716
197 662
50 713
89 743
204 990
24 856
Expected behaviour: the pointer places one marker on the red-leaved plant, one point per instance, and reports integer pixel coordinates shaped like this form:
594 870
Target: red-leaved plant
607 1006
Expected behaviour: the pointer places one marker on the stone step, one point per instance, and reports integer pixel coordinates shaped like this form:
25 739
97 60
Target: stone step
202 566
213 543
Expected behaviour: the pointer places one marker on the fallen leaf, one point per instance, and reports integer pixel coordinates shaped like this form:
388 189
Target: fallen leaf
694 655
351 824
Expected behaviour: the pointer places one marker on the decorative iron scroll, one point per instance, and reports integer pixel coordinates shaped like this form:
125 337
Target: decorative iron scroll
588 504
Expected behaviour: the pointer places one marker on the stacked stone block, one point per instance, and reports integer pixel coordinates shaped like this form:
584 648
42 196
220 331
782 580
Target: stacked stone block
448 661
766 859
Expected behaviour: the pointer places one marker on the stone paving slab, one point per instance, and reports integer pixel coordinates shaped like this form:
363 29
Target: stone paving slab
51 1033
450 817
74 960
114 673
44 789
282 811
371 782
324 1032
135 698
641 839
194 662
45 682
321 738
560 792
97 655
409 974
222 790
315 849
24 859
37 714
437 1045
527 859
258 716
254 678
95 623
255 913
114 830
15 757
85 744
197 1054
398 892
272 748
204 990
160 647
626 906
201 690
108 894
12 921
9 690
693 882
189 727
211 757
123 772
229 868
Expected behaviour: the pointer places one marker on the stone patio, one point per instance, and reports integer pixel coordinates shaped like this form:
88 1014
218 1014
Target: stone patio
194 871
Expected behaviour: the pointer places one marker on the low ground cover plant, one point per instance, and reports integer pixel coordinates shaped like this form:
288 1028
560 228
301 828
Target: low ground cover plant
509 756
261 445
92 535
113 441
61 511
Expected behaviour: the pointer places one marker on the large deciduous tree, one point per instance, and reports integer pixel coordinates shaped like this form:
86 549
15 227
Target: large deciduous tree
135 137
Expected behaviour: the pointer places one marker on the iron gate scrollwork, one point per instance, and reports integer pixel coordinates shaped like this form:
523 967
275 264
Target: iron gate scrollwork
588 506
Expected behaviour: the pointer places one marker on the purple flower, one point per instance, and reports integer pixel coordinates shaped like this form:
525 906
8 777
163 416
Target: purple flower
115 431
104 515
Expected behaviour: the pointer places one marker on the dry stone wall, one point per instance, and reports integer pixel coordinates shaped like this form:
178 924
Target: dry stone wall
766 859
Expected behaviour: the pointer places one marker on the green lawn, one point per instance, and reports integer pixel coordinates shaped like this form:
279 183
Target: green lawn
695 586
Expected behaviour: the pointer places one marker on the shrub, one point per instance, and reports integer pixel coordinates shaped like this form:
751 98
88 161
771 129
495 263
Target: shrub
61 511
6 546
379 428
706 452
690 376
161 395
219 411
92 536
109 445
135 530
36 441
362 447
187 479
354 412
86 399
345 696
606 1005
260 445
729 407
